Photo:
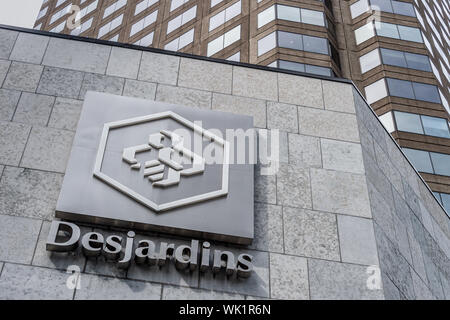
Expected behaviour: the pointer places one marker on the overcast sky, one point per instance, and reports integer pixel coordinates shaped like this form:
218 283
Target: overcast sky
20 13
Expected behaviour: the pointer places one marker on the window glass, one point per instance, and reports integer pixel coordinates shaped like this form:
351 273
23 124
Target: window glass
446 202
290 40
393 58
420 159
370 60
264 17
410 34
426 92
313 17
381 5
233 11
441 163
288 13
218 20
435 126
400 88
358 8
323 71
364 33
403 8
215 46
408 122
235 57
294 66
387 30
417 61
376 91
267 43
387 121
315 44
232 36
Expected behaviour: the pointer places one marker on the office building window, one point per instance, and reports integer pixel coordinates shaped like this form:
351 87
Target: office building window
224 41
59 28
293 14
182 19
429 162
388 121
370 60
376 91
175 4
141 6
225 15
61 13
83 27
145 41
143 23
294 41
302 67
88 9
181 42
215 2
235 57
389 30
114 7
413 90
110 26
444 200
42 13
267 43
391 6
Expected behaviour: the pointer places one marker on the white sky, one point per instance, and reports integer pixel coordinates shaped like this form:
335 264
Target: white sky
19 13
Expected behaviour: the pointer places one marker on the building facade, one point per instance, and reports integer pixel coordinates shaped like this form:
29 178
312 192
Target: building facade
396 52
345 216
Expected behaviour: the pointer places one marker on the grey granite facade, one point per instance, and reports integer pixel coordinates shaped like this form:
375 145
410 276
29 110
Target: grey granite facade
344 204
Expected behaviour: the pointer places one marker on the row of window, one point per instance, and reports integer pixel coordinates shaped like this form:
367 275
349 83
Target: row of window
391 6
389 30
395 58
224 41
429 162
143 23
182 19
402 89
294 41
416 123
181 42
289 13
301 67
141 6
444 199
114 7
110 26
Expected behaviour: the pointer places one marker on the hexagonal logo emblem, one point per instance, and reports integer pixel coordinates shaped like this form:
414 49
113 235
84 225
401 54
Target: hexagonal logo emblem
142 164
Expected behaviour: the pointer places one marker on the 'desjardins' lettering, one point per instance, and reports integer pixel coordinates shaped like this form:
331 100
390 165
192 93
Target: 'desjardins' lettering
65 236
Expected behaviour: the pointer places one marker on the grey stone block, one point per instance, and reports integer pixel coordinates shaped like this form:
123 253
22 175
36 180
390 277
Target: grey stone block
293 187
65 114
434 278
13 137
48 149
288 277
445 285
304 151
185 293
255 83
417 256
340 192
124 63
256 285
7 40
357 240
342 156
378 179
77 55
335 281
57 260
60 83
168 273
241 105
34 108
184 96
328 124
382 212
367 140
20 282
282 117
159 68
265 187
412 200
268 228
29 193
8 103
18 238
420 288
4 67
23 76
338 96
388 169
203 75
309 96
310 233
441 239
29 48
139 89
401 234
101 83
94 287
393 264
390 291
